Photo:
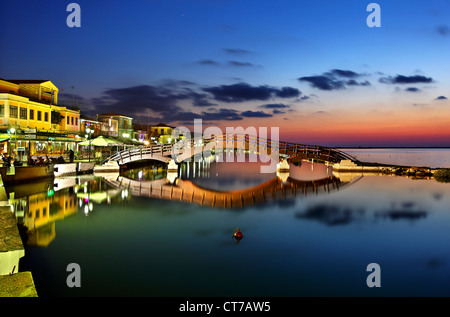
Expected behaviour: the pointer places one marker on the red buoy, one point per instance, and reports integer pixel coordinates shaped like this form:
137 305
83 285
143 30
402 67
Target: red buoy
238 234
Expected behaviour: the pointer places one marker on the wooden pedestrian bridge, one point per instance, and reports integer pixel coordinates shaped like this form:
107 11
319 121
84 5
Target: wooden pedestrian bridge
189 148
187 191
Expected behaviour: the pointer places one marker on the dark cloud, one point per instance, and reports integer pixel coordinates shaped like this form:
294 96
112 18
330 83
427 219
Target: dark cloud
353 82
400 79
288 92
244 92
412 89
165 102
335 79
255 114
344 73
177 83
198 99
221 114
236 51
188 116
323 82
208 62
135 100
276 111
441 98
274 105
305 97
240 64
443 30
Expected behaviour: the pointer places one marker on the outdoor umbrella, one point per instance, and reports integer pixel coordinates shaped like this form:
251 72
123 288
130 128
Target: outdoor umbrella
101 141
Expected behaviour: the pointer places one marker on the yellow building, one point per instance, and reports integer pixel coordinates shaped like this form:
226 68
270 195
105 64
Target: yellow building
31 120
161 133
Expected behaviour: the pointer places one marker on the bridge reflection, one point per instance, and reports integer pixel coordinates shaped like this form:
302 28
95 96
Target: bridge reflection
277 188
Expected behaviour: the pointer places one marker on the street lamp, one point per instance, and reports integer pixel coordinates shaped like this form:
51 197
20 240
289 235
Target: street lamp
89 131
15 139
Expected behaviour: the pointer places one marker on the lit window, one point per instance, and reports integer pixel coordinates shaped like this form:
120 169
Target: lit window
13 111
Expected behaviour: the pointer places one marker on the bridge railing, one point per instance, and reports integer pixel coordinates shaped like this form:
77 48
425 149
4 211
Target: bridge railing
246 141
282 147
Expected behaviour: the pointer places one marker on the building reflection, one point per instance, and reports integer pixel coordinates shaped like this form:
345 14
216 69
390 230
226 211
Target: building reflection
39 211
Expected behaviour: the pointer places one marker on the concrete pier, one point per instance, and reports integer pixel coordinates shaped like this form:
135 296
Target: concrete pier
12 282
347 166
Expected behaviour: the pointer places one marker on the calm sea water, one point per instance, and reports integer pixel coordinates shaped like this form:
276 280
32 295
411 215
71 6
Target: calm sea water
314 245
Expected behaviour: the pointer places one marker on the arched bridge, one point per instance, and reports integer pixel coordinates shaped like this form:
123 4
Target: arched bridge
293 151
187 191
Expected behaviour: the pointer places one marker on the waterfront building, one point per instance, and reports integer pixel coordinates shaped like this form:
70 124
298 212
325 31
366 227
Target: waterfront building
109 126
124 128
31 122
161 133
141 133
92 125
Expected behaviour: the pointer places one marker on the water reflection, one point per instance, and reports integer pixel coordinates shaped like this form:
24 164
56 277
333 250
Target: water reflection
291 233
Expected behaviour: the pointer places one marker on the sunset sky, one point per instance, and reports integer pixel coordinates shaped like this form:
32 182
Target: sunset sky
312 68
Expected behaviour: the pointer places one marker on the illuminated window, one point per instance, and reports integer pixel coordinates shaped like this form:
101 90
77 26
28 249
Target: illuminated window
12 111
23 113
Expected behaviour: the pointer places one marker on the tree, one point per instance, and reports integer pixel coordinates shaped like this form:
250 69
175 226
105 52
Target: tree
57 117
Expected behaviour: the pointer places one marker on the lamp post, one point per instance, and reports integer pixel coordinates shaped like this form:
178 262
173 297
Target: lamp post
89 132
15 139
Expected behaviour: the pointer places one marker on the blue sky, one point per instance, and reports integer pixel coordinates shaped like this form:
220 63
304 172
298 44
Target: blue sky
182 53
